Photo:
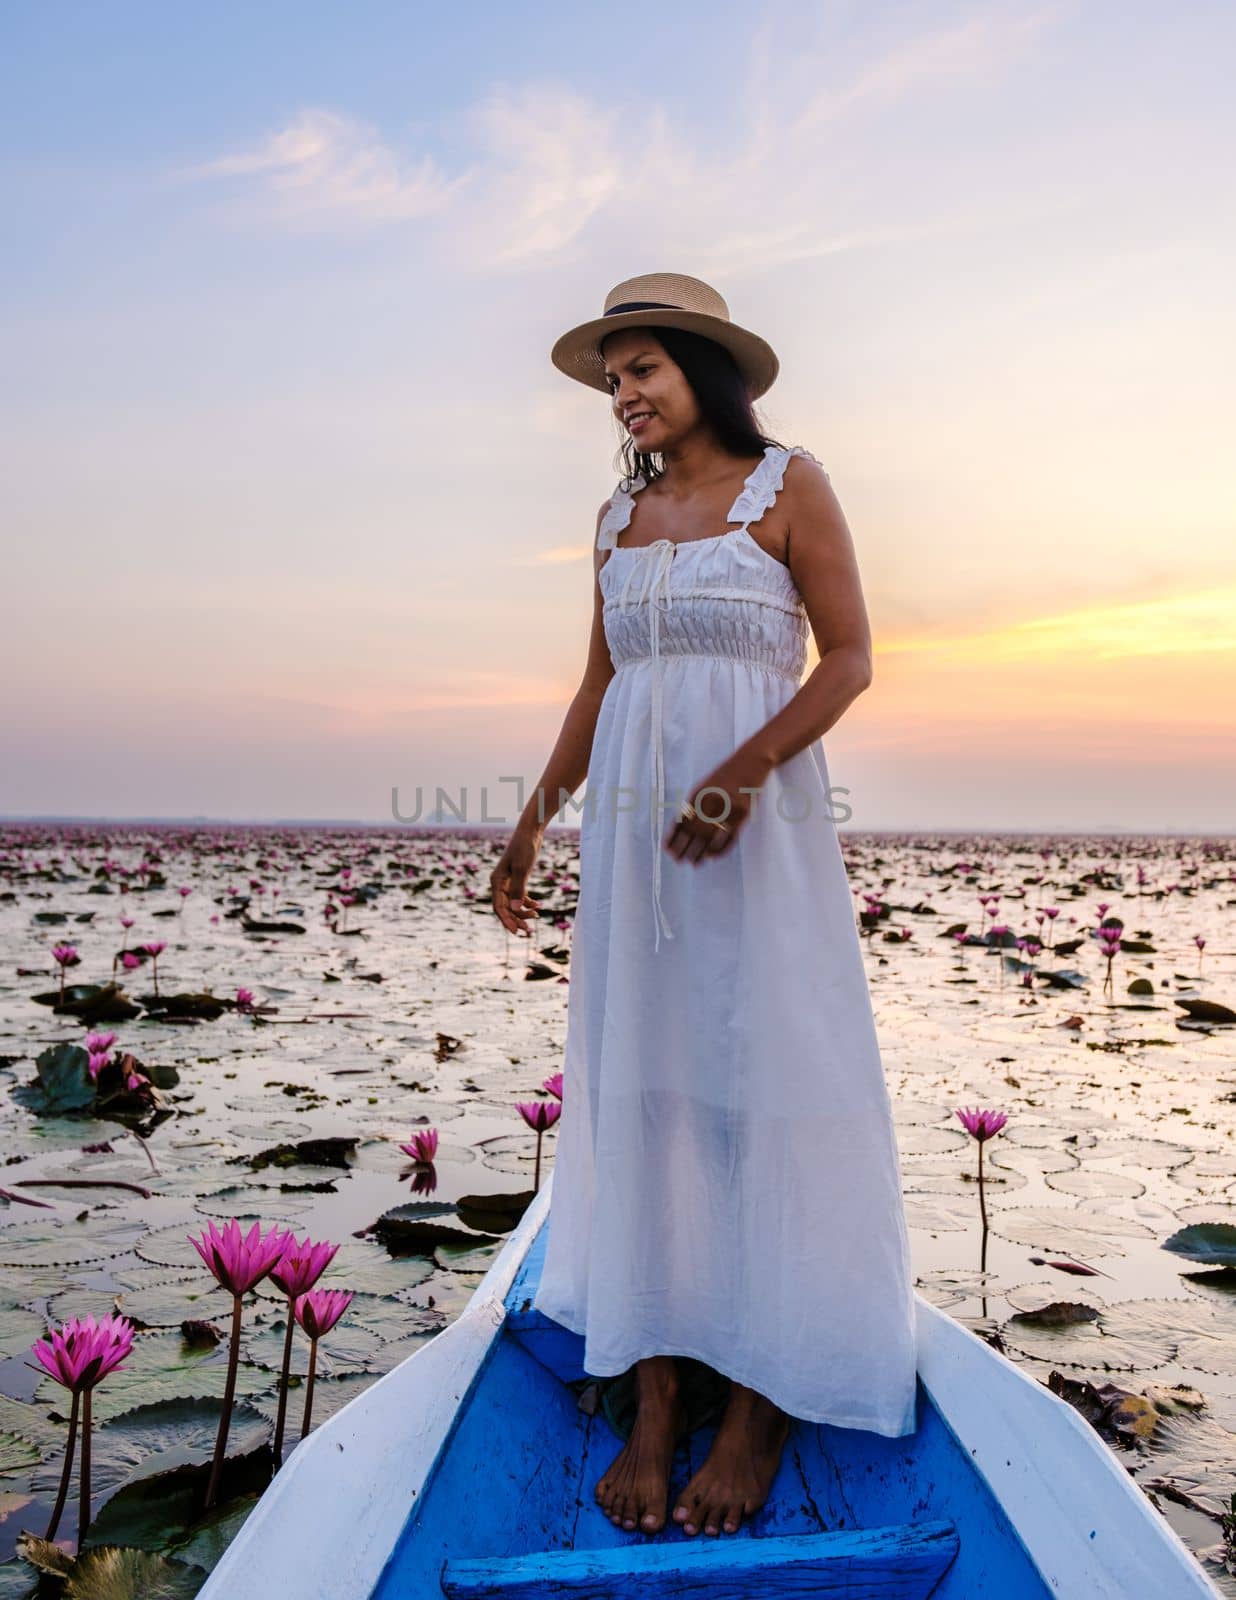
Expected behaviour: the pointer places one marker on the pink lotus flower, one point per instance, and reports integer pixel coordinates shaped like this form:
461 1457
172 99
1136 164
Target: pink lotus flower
320 1309
301 1265
424 1145
65 954
296 1272
155 948
96 1061
81 1352
553 1085
244 999
239 1261
128 961
100 1041
982 1125
539 1114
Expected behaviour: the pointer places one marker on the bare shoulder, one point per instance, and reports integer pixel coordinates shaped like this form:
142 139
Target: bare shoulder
805 479
814 512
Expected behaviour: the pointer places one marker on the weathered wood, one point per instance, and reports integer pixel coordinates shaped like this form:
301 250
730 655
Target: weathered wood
898 1563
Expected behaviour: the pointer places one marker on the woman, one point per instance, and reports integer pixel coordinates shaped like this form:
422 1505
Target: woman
727 1194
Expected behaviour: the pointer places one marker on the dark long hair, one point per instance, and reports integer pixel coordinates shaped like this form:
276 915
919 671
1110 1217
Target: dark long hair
720 391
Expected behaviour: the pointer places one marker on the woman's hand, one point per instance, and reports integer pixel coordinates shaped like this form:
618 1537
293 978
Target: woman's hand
513 905
720 806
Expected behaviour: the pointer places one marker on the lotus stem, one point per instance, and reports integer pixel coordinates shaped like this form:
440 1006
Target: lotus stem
982 1193
983 1213
63 1495
313 1363
83 1520
229 1394
154 1165
283 1384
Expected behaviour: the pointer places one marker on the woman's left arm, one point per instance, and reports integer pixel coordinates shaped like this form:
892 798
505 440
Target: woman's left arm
824 567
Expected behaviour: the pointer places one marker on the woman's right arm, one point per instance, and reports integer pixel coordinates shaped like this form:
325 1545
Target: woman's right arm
565 770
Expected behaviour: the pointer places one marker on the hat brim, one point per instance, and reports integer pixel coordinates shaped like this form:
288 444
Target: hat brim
577 354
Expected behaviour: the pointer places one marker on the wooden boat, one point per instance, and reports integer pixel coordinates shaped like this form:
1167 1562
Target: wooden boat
469 1471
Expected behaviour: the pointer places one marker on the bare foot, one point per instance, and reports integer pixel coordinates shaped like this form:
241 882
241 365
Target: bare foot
636 1485
739 1469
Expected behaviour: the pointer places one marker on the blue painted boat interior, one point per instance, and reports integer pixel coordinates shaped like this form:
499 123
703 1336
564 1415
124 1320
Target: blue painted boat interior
509 1507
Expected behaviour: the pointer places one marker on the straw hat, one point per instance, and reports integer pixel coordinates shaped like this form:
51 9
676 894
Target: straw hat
664 300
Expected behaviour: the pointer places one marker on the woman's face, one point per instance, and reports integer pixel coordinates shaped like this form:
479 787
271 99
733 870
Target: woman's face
651 397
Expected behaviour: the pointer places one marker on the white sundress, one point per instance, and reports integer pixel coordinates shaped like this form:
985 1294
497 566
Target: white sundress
726 1182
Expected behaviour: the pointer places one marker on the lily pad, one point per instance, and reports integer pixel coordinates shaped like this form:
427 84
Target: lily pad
69 1244
1096 1183
1135 1335
17 1455
18 1330
1212 1244
159 1437
1066 1231
170 1247
346 1348
1034 1296
366 1269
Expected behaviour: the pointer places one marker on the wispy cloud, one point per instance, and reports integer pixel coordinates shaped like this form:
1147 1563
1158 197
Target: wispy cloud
980 44
551 162
325 166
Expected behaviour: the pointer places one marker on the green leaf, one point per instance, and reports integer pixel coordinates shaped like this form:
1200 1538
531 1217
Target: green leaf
64 1077
160 1437
157 1512
1213 1244
205 1547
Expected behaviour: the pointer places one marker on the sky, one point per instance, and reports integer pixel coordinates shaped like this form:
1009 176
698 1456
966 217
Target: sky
297 512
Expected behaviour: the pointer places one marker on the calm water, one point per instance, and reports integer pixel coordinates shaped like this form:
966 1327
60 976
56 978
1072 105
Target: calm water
415 1009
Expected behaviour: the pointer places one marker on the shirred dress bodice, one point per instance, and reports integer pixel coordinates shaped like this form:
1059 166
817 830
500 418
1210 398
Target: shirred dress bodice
723 599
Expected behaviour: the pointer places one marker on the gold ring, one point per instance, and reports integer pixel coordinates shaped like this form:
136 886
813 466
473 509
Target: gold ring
687 811
724 826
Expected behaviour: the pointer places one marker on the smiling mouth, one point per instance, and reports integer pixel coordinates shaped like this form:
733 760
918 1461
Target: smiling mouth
639 419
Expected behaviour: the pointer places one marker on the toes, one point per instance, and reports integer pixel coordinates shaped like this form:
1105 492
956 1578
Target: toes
731 1517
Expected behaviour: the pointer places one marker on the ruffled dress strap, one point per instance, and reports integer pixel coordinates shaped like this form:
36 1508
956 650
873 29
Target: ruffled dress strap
764 484
621 504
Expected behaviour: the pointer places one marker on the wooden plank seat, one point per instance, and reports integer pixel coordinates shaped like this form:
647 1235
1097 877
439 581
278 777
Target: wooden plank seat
903 1562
